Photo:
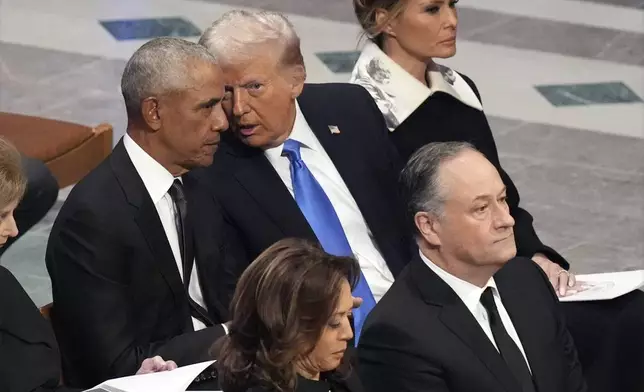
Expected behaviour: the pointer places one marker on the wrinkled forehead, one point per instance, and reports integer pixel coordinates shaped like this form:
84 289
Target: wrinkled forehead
203 76
467 176
203 72
262 63
200 82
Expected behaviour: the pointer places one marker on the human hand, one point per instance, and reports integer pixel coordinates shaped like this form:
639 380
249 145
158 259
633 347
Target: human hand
560 279
156 364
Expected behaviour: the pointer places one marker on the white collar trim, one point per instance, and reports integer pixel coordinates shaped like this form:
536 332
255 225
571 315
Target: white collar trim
388 81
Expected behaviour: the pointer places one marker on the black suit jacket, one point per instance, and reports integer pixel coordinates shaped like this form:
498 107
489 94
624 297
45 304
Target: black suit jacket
259 205
422 337
329 382
118 295
29 356
443 118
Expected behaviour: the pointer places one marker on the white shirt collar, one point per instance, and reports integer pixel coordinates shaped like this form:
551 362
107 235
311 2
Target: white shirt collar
301 132
156 178
375 68
468 293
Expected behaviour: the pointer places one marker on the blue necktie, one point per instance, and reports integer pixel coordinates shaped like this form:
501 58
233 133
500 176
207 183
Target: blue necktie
319 212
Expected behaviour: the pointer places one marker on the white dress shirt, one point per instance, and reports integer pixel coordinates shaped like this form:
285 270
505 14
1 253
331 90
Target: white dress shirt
471 296
363 245
157 181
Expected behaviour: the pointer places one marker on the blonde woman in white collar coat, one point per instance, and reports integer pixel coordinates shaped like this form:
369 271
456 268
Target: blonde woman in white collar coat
423 102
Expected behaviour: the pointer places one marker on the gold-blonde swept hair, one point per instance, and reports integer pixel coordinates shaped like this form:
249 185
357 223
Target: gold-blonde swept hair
12 179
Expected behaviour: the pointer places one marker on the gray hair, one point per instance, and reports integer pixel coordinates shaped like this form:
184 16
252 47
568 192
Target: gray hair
238 34
419 180
158 67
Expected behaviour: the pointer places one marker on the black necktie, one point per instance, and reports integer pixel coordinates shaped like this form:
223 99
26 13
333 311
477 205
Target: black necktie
508 349
179 198
184 233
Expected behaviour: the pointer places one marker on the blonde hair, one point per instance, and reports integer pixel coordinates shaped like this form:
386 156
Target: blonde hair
237 35
366 13
12 179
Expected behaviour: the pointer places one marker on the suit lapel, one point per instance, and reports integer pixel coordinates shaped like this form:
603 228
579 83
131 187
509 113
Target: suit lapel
343 149
456 317
516 302
459 320
147 218
255 173
340 147
205 245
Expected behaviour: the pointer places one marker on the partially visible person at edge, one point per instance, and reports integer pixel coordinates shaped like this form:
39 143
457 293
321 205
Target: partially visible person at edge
424 102
290 327
29 356
40 196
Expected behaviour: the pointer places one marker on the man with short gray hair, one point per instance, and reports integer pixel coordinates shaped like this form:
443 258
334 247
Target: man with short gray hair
465 315
136 253
304 160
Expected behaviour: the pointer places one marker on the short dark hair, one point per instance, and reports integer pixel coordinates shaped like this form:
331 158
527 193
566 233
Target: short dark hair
282 303
159 66
419 180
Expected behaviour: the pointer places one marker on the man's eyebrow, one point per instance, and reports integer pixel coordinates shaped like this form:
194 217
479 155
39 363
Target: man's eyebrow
209 103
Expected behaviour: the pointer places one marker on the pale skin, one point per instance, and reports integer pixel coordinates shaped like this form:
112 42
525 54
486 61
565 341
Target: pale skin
155 365
424 30
261 95
472 238
9 229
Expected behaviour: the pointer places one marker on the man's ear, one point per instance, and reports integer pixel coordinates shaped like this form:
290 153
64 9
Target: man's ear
151 113
429 227
297 79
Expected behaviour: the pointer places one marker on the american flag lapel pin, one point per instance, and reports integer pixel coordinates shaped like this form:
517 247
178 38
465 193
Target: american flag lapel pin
334 129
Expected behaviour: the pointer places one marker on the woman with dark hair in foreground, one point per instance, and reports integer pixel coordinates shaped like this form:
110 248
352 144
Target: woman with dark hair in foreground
290 323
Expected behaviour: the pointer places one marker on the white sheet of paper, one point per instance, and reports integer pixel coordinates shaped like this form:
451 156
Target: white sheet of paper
595 287
176 380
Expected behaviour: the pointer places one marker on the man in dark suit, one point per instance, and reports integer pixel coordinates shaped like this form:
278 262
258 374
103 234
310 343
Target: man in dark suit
460 317
303 160
135 254
29 356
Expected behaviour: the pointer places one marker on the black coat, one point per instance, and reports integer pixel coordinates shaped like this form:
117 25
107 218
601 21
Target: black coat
29 356
258 204
422 338
118 295
443 118
328 382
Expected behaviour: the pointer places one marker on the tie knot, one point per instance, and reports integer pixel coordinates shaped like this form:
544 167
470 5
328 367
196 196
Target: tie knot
292 150
176 190
487 300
